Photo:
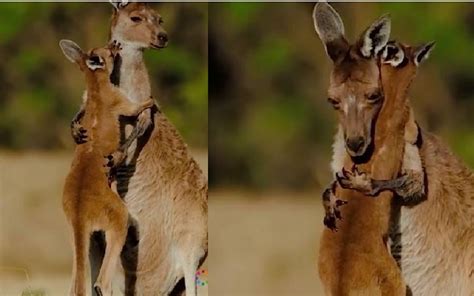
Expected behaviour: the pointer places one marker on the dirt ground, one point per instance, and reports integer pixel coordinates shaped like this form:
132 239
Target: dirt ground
264 244
35 252
259 244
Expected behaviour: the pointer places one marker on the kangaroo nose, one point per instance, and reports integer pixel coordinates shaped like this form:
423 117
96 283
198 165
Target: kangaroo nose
163 37
355 144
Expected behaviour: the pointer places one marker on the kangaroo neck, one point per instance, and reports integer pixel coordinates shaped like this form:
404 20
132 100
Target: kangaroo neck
134 80
394 113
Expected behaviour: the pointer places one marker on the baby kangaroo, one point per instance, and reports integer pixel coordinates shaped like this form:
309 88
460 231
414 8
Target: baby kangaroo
398 63
88 201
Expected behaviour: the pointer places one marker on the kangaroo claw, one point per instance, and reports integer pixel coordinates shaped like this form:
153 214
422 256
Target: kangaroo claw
79 133
331 206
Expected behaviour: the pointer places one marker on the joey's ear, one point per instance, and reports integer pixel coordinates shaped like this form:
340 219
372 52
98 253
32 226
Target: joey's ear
71 50
423 52
393 54
330 29
118 4
95 62
375 37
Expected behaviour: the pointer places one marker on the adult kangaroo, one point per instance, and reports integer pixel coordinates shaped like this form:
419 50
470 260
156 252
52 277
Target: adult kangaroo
355 260
162 185
436 237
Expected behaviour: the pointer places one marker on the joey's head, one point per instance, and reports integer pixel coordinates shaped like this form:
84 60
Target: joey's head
137 25
399 64
98 62
355 88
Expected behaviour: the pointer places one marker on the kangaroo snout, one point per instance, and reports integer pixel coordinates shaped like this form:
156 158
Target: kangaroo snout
356 145
162 39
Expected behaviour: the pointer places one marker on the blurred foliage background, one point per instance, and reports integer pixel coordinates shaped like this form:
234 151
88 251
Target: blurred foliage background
41 90
270 124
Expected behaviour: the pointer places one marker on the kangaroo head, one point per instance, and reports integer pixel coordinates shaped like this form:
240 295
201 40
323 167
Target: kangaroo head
399 64
355 88
98 61
138 25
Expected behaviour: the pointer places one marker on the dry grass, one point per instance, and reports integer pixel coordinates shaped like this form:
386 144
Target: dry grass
264 244
35 252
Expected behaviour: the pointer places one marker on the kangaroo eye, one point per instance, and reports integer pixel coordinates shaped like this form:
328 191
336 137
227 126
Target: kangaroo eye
95 60
136 19
161 21
374 98
335 103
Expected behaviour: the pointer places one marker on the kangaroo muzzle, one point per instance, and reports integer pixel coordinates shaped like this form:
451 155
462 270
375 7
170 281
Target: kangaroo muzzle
162 39
356 146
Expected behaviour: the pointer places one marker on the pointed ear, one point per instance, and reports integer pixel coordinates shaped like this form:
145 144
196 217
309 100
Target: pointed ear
375 37
118 4
423 52
330 29
393 54
71 50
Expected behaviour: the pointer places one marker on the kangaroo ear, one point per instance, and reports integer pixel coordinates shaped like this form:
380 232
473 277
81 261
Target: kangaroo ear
330 29
95 62
71 50
119 4
423 52
375 37
393 54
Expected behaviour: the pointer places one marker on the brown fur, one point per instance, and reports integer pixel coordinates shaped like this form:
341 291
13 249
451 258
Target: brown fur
434 255
395 122
88 202
167 194
355 260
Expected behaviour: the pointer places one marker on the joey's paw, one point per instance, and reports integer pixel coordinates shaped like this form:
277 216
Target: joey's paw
115 46
331 207
98 290
144 121
356 180
78 132
114 159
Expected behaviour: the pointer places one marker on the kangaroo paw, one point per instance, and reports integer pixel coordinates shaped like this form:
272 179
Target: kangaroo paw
331 207
356 180
114 159
78 132
98 291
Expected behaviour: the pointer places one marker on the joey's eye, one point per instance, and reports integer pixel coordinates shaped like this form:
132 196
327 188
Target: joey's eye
160 21
136 19
374 98
335 103
95 60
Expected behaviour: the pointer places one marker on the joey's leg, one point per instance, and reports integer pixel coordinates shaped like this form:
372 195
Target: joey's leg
331 206
96 255
81 248
78 132
115 239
